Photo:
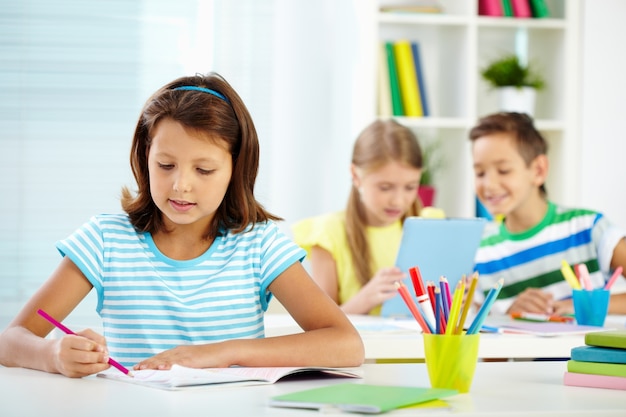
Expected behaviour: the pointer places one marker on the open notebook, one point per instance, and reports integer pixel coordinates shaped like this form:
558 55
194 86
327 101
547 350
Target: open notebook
438 247
180 376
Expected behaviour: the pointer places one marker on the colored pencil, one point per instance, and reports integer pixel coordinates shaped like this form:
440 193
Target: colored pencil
611 281
457 300
66 330
404 293
468 303
569 275
484 309
584 278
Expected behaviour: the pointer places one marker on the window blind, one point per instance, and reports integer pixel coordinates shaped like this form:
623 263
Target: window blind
73 78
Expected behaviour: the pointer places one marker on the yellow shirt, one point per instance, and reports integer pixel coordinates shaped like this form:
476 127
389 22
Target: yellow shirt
328 231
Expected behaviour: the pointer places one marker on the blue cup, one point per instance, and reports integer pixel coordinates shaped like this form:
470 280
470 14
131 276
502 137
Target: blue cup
591 306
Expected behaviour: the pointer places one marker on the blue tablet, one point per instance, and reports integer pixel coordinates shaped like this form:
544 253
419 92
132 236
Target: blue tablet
438 247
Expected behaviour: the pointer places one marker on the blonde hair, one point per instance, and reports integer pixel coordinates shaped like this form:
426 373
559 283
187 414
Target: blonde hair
381 142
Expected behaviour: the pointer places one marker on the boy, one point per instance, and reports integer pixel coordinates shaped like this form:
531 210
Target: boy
527 247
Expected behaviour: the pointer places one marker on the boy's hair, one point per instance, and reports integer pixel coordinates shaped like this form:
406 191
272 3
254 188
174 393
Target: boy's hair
378 144
528 140
220 116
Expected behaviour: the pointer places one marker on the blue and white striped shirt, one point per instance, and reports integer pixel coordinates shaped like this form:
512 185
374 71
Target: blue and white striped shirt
150 303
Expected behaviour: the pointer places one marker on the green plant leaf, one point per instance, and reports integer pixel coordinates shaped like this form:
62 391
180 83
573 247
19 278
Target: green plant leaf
509 72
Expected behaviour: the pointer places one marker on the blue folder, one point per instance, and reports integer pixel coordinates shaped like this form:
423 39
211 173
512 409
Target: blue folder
439 247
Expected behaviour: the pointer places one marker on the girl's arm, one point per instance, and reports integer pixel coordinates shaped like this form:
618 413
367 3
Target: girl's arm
380 288
23 343
329 339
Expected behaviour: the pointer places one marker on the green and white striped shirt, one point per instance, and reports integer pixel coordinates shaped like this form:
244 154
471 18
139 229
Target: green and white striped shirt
532 259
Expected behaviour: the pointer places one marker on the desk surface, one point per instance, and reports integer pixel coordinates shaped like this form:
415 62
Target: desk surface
499 389
402 340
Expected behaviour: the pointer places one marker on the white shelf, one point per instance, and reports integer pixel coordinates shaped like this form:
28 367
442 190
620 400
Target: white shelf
454 46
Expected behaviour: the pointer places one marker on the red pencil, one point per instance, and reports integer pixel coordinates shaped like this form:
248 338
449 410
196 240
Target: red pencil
430 286
422 296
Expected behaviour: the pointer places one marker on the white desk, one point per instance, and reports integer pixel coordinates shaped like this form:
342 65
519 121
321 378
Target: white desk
499 389
405 343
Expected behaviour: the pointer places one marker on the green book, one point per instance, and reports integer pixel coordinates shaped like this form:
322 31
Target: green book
394 82
597 368
507 8
607 338
360 398
539 8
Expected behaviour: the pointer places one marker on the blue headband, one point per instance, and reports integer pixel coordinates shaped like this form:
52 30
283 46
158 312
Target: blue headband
204 90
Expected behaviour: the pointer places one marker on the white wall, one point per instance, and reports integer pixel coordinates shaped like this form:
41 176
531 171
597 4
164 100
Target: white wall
603 169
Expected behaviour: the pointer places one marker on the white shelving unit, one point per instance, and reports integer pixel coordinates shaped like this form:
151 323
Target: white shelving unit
454 46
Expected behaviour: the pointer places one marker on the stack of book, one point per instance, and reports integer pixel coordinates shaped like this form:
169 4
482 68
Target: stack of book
601 363
513 8
401 81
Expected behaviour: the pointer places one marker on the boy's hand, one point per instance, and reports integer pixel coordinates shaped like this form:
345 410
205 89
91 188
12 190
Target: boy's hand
562 307
533 300
81 354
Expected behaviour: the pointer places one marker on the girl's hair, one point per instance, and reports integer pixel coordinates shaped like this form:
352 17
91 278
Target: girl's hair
378 144
528 140
207 104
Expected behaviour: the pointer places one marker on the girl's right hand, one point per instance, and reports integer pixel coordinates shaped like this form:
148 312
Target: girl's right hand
381 287
80 354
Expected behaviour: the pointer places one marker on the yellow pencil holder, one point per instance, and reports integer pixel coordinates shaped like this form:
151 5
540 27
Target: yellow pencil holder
451 360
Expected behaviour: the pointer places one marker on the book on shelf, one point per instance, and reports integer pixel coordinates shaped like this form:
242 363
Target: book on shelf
490 8
607 338
597 368
521 8
539 8
385 109
416 6
594 381
507 8
411 101
419 74
394 85
180 376
360 398
598 354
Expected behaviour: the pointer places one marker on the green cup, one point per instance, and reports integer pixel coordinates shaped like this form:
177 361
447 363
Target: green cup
451 360
591 306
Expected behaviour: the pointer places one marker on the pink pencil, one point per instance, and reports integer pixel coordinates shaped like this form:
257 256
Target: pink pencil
60 326
611 281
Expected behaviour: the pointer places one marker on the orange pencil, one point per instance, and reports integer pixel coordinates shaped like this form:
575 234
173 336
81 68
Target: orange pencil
404 293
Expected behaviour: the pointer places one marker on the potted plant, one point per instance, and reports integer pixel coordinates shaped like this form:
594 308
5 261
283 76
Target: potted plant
516 83
432 162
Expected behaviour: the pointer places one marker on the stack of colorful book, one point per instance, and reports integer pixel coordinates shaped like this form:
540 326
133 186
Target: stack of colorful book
401 81
601 363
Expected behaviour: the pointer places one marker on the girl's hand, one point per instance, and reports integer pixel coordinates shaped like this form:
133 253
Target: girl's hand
81 354
533 300
188 355
381 287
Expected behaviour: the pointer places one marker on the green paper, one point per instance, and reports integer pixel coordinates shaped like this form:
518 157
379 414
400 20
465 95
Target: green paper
360 398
